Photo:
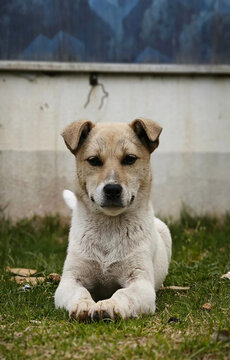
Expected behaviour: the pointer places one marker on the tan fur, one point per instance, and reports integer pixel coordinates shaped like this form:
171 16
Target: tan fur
114 142
111 142
74 131
152 130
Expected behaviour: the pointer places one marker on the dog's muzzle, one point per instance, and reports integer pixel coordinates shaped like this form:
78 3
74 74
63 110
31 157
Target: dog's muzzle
112 195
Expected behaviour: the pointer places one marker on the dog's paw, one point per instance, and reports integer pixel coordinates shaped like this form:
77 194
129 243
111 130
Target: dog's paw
81 310
106 309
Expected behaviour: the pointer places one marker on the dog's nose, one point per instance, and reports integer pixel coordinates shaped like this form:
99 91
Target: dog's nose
112 191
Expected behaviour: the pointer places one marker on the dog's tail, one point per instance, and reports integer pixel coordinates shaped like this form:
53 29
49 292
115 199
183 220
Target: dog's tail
70 199
164 232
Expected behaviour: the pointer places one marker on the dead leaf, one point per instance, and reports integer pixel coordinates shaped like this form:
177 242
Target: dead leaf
207 306
30 280
54 277
226 276
172 287
21 271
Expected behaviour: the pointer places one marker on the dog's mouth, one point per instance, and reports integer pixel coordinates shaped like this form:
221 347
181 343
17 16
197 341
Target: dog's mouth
111 204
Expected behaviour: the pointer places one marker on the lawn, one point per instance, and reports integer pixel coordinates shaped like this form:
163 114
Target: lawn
30 326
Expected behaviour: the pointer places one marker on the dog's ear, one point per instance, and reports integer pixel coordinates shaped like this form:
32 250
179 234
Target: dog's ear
148 132
75 134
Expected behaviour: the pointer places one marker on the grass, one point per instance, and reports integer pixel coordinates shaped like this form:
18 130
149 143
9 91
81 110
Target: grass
201 254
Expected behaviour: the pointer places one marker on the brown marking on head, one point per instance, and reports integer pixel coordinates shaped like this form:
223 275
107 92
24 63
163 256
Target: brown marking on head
148 132
111 143
75 134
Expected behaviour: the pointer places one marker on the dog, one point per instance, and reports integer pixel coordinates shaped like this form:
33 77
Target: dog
118 253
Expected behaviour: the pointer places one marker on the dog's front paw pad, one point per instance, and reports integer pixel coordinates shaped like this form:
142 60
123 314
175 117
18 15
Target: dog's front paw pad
105 310
81 311
105 315
96 316
83 316
101 315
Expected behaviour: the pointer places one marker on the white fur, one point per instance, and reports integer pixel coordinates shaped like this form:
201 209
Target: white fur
125 258
70 199
98 194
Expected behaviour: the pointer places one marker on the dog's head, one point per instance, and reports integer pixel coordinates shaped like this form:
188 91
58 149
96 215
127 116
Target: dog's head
113 162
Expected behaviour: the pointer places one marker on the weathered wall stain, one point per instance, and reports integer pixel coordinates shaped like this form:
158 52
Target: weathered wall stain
191 165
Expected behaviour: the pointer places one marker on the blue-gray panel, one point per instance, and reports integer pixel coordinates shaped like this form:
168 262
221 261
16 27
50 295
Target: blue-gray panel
117 31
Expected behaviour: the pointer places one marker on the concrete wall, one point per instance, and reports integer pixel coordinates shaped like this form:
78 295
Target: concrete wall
191 166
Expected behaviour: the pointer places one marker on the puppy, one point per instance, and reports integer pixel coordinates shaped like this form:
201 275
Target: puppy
118 253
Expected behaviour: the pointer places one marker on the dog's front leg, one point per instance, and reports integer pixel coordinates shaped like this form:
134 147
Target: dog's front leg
73 297
138 298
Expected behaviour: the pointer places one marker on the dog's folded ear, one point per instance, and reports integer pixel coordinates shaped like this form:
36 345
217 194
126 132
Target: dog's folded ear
147 131
75 134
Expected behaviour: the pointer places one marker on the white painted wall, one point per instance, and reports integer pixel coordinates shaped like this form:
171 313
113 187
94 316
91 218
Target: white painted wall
191 166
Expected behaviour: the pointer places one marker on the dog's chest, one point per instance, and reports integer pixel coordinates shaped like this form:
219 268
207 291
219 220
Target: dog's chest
100 278
111 243
108 254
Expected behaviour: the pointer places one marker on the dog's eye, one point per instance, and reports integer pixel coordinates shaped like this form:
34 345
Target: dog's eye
129 160
95 161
